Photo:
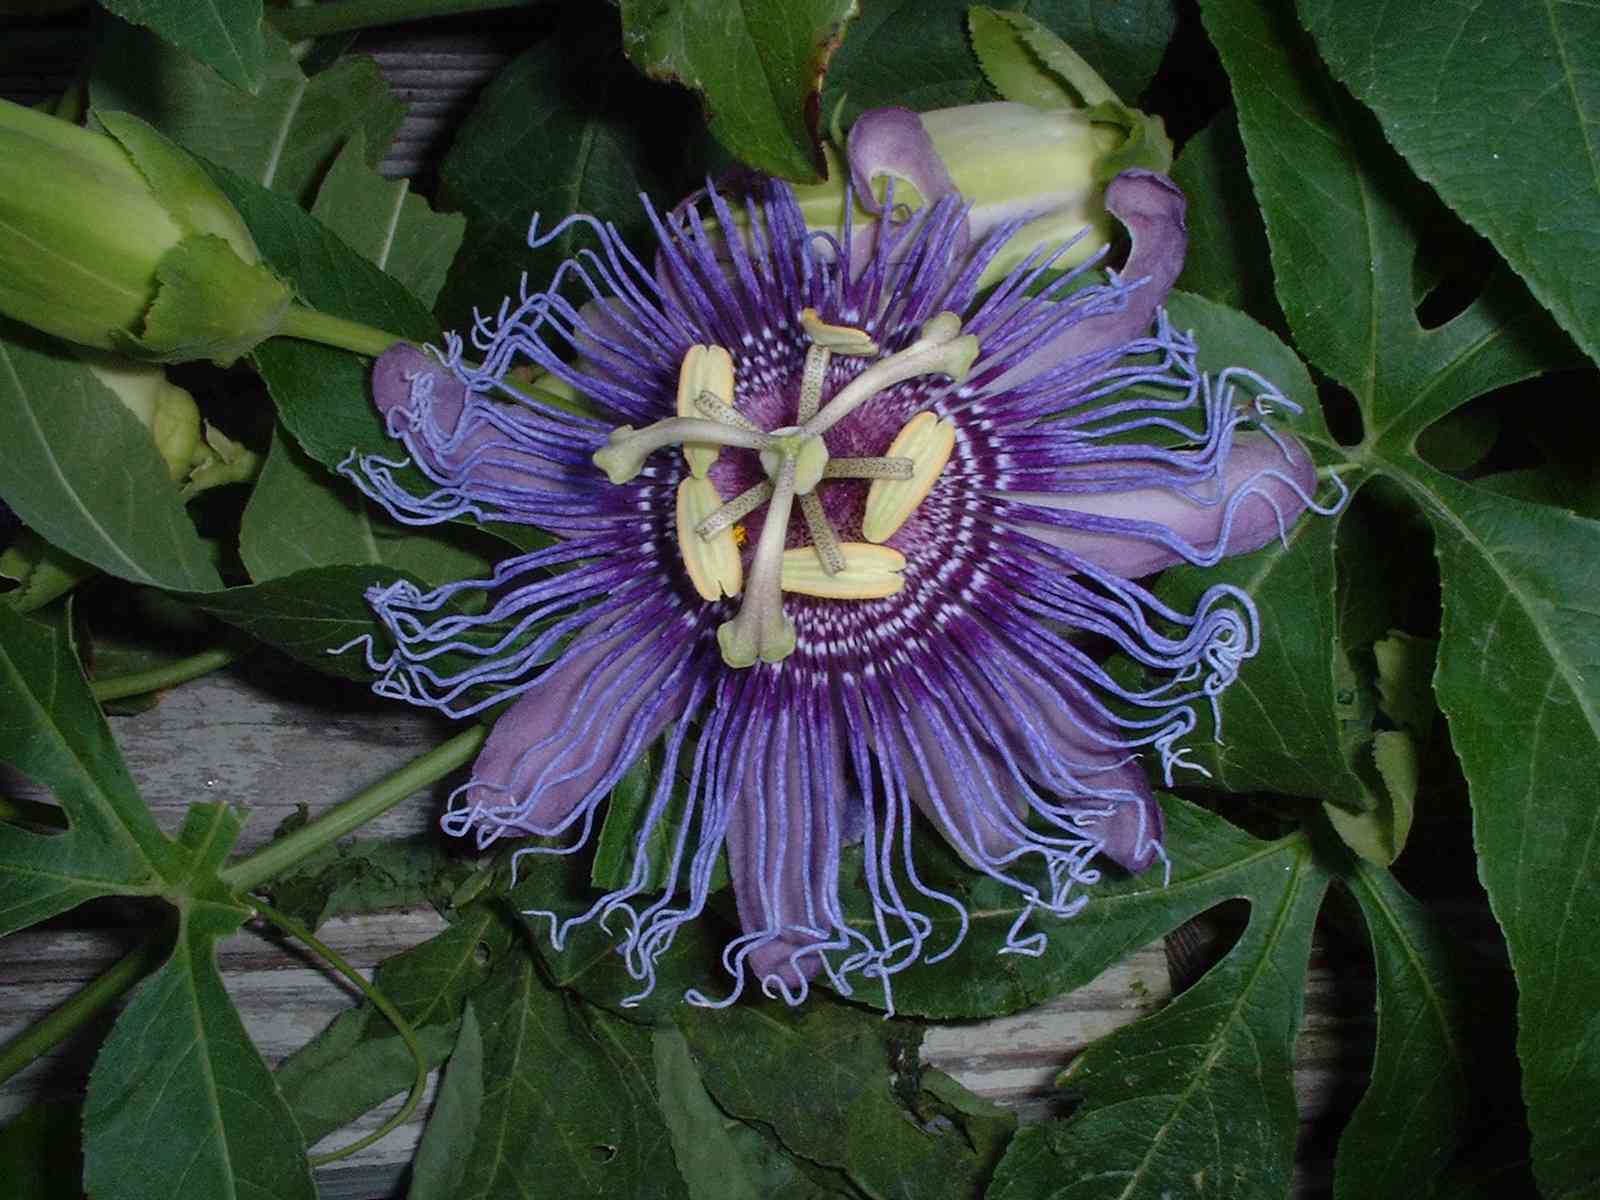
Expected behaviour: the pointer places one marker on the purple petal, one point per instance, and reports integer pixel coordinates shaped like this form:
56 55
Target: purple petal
565 743
783 849
1152 208
893 142
1265 486
1082 745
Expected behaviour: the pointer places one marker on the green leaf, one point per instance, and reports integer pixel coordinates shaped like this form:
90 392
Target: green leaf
358 1061
1518 636
1506 133
52 730
1201 1094
1413 1118
308 615
1026 62
1341 214
322 394
386 223
441 1164
1211 862
1517 681
561 130
358 876
178 1086
300 517
40 1155
758 66
914 53
1289 724
569 1096
283 137
719 1157
587 961
1013 70
829 1080
1379 833
83 472
223 34
1227 256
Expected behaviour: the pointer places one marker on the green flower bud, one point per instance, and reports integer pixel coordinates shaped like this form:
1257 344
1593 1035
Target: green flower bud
1043 156
165 409
123 243
1009 161
198 455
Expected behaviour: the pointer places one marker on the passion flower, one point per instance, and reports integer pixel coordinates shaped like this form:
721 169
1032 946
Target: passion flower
845 534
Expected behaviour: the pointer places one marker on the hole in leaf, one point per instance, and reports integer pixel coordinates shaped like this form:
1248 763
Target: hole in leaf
1342 413
481 954
602 1153
25 804
1203 941
1448 274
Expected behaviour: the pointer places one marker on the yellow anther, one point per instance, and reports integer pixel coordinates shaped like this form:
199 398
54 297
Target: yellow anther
841 339
713 563
927 442
870 573
705 369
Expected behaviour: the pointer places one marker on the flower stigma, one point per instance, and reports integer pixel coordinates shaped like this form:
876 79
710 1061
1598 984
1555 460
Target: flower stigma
795 460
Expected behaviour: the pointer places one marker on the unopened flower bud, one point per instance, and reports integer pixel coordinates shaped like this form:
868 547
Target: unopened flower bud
122 242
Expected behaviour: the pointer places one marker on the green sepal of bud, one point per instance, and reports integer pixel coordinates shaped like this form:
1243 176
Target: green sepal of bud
209 303
120 241
1145 145
220 460
179 184
41 572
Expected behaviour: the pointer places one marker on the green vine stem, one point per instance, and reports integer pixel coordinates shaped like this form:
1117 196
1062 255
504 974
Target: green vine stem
255 869
61 1023
248 873
408 1035
313 326
342 16
118 687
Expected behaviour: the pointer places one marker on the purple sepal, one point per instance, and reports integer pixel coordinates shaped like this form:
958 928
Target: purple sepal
1266 483
1152 208
562 747
783 844
893 142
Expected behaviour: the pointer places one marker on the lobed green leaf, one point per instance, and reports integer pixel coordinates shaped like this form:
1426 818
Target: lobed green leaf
1497 107
226 35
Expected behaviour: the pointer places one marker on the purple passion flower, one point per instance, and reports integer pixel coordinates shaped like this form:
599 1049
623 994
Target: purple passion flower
846 535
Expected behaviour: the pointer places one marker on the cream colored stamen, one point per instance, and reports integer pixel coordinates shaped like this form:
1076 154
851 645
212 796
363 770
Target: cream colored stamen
705 369
735 510
868 573
811 381
942 349
927 442
824 538
868 468
841 339
718 410
712 562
